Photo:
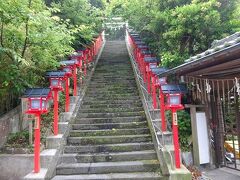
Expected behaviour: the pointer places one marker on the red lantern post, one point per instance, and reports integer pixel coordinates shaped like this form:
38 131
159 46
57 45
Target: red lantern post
137 42
156 82
85 60
174 104
68 67
149 61
56 79
37 105
79 57
143 52
162 110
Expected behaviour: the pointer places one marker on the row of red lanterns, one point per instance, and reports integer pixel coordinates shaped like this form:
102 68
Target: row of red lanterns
38 98
149 67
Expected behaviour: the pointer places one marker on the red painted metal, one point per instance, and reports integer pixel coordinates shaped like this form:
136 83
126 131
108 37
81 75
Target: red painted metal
162 110
148 79
75 81
55 109
175 138
80 67
67 103
174 106
85 62
37 144
154 97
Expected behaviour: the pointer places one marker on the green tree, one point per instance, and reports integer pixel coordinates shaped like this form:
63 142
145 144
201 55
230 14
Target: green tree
177 29
31 42
84 19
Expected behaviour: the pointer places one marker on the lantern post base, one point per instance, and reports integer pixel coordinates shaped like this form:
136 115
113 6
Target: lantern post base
37 176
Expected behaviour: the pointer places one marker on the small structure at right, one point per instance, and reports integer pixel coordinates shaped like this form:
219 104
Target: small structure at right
213 81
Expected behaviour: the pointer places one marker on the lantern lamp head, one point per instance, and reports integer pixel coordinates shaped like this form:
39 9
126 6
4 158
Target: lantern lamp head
162 80
174 101
56 83
68 70
152 65
37 100
56 79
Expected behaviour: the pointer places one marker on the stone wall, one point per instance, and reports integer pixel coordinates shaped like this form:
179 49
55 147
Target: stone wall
10 123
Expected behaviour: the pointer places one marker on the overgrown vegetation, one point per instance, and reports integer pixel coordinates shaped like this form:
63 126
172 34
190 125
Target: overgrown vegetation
184 127
18 140
35 36
21 139
177 29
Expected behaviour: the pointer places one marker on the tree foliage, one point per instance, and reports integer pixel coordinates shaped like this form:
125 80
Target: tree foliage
35 35
85 18
177 29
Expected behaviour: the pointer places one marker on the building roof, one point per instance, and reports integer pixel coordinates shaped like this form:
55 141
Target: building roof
221 60
37 92
55 74
174 88
68 62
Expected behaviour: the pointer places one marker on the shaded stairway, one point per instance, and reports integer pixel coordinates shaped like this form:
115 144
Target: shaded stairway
110 138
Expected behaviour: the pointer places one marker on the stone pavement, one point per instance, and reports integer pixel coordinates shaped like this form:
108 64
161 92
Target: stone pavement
222 174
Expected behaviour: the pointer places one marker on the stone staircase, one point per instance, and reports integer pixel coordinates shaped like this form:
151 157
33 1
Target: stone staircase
110 138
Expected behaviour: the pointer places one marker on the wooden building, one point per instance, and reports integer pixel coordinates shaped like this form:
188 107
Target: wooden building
213 80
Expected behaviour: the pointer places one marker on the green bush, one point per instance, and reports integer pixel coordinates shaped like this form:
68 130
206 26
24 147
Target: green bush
18 140
184 127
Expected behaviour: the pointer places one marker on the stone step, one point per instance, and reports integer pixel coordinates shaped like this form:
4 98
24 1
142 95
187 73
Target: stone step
108 132
116 114
103 148
134 98
116 83
111 96
112 105
99 85
109 157
94 140
112 78
108 167
98 92
110 66
109 126
110 120
115 71
110 110
116 74
110 102
115 88
113 81
115 176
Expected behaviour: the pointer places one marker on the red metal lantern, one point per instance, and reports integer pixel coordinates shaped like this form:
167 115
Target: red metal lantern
37 104
174 101
38 100
56 79
149 61
161 81
174 104
70 70
56 83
